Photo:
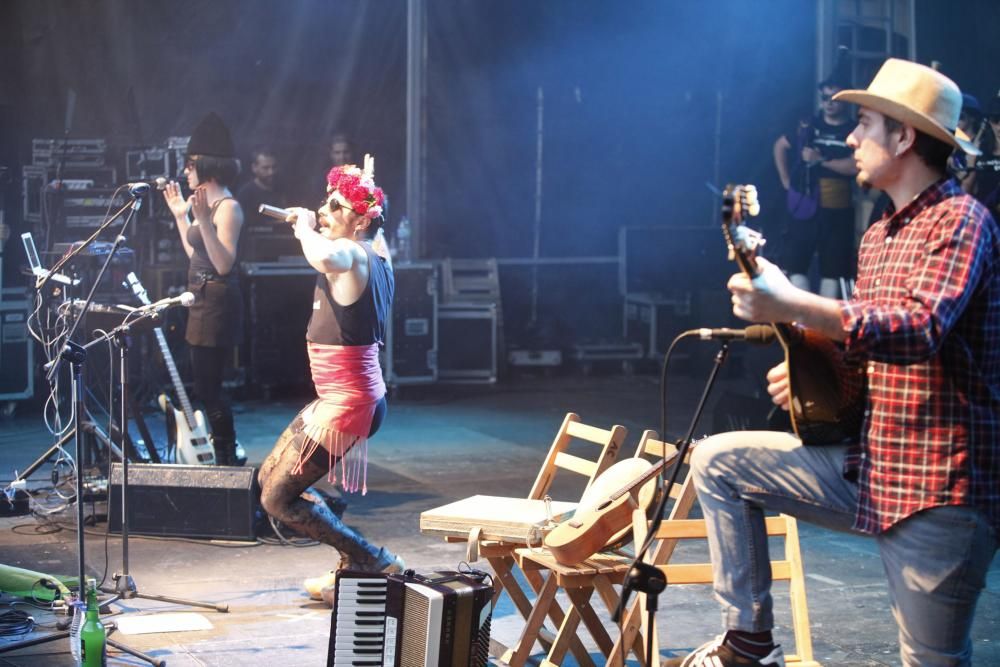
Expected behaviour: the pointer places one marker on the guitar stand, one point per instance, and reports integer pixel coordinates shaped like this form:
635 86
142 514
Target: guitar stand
644 577
125 587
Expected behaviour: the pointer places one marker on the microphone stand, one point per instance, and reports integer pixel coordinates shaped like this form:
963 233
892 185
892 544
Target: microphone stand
645 577
125 588
52 367
76 355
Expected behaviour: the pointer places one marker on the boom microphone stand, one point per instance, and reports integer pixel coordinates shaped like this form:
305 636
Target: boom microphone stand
647 577
76 355
125 588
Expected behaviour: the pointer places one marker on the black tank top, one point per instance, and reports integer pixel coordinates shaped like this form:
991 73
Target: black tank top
361 323
200 262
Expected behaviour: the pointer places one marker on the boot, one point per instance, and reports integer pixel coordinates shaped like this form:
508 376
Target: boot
225 451
324 586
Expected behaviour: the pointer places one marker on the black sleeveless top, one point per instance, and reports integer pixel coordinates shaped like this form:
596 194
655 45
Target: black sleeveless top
200 264
216 318
361 323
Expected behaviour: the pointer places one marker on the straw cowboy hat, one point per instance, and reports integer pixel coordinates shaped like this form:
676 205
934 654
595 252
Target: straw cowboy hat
917 96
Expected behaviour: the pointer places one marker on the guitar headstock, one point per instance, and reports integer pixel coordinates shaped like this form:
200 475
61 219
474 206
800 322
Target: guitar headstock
738 203
137 288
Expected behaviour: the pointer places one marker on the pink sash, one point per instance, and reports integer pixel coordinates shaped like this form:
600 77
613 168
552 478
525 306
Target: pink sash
349 385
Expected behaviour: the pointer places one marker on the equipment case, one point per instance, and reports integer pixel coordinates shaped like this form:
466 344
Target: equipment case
411 351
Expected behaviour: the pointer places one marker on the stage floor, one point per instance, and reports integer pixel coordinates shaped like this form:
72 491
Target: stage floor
439 444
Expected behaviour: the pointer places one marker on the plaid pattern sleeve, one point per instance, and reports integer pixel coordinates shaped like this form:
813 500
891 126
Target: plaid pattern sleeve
925 317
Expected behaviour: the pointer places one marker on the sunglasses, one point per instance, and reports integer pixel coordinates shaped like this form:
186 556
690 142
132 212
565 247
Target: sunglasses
995 119
825 98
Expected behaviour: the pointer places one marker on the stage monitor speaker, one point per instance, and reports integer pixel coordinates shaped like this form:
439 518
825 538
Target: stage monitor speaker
186 501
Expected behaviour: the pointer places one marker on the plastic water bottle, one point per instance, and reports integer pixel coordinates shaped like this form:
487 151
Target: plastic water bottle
403 240
77 608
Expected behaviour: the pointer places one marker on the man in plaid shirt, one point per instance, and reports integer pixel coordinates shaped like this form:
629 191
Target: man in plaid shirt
924 480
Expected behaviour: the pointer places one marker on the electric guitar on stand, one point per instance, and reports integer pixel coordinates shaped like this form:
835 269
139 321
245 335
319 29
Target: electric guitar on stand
187 426
827 391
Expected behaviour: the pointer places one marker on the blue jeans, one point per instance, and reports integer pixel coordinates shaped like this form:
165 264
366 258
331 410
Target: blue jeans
936 560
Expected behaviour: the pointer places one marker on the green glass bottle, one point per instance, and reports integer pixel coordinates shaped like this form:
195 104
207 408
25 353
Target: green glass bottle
93 638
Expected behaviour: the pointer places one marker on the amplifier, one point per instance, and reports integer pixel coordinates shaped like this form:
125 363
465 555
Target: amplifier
279 306
186 500
88 207
69 152
17 378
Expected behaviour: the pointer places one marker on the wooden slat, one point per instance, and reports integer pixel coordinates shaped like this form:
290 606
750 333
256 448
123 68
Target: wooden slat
701 573
687 529
575 463
598 436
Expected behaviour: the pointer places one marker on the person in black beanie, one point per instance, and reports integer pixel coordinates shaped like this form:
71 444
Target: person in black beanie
211 238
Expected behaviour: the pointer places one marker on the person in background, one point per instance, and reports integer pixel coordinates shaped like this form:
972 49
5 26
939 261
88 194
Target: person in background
816 171
922 477
261 189
209 223
341 150
353 295
983 179
264 241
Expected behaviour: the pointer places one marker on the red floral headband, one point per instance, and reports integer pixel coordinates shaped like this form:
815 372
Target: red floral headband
358 187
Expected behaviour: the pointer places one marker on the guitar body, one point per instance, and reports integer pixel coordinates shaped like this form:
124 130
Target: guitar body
827 392
187 425
602 517
192 442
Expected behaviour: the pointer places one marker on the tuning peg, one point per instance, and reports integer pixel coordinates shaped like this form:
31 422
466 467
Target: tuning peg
754 209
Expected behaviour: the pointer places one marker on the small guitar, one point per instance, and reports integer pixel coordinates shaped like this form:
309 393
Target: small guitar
827 393
604 518
187 425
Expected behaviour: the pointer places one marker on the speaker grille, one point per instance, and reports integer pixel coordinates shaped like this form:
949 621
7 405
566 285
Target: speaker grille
186 501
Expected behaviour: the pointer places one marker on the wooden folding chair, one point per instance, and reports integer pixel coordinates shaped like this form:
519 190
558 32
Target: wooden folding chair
679 527
593 451
600 572
603 571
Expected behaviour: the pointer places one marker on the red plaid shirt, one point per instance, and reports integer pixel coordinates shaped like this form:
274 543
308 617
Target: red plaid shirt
925 318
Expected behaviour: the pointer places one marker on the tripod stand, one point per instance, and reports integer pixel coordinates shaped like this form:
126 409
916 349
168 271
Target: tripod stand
645 577
125 588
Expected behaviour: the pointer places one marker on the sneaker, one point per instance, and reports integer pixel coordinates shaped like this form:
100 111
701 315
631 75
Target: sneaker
716 654
393 564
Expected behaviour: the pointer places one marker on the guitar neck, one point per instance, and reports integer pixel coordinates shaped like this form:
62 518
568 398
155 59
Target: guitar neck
785 332
175 377
644 477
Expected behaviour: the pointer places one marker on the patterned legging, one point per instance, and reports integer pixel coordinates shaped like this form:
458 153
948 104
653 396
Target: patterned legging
288 497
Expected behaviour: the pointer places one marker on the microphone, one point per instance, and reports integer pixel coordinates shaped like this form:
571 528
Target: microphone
274 212
139 188
756 334
185 299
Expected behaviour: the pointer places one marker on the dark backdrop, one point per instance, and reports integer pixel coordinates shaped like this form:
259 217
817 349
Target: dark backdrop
630 94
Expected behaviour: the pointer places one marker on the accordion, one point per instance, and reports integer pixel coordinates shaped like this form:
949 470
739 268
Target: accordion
409 620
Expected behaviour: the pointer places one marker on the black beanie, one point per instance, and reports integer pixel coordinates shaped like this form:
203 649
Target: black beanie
211 137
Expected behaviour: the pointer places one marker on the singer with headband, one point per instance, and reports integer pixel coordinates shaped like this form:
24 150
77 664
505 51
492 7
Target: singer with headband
329 437
209 223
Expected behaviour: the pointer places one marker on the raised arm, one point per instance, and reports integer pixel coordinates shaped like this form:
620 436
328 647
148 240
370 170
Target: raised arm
323 254
179 207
